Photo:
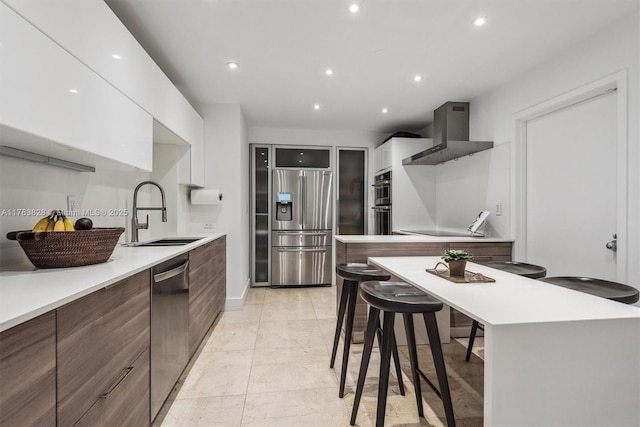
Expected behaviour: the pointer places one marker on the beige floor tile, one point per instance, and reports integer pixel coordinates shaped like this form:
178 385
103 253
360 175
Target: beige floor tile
325 311
249 314
234 336
218 374
280 295
291 355
290 376
291 310
322 295
313 408
289 333
224 411
255 296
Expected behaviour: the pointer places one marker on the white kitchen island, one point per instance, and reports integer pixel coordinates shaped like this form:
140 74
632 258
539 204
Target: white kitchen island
553 356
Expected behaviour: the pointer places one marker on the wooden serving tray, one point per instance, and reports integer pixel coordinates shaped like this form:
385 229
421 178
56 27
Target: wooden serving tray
469 276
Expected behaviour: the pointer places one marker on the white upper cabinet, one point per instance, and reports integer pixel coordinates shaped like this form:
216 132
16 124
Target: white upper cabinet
91 32
383 156
47 92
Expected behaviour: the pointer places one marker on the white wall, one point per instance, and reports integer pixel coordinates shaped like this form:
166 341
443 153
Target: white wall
492 118
28 185
227 168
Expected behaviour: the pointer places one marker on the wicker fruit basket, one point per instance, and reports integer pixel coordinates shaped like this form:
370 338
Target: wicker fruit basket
60 249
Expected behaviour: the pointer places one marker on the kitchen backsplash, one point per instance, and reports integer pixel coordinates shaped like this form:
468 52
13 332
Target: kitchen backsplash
30 190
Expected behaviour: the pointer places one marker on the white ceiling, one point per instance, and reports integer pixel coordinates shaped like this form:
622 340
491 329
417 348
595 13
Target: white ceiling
284 46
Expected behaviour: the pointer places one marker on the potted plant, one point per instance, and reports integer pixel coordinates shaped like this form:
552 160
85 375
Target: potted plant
457 260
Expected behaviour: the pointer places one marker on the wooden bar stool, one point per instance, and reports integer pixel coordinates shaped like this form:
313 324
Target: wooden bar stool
353 274
613 291
523 269
392 298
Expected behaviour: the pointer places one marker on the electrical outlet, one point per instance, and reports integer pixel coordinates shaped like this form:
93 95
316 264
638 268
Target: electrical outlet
72 204
498 209
208 225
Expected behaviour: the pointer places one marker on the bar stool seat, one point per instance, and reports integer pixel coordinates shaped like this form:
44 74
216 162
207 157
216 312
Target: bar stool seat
601 288
523 269
353 274
392 298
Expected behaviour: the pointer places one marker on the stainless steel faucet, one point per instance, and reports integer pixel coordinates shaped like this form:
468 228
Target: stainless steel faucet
135 225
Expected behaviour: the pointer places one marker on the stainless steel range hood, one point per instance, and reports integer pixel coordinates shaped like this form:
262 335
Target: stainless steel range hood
451 136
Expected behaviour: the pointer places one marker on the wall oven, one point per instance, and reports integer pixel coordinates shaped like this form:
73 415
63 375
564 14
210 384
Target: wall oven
382 207
382 189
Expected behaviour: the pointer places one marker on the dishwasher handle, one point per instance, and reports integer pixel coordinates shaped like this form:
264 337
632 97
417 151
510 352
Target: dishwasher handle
166 275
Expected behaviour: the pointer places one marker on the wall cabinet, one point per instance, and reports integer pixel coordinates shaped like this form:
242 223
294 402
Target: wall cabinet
103 365
207 289
191 165
133 72
28 373
48 93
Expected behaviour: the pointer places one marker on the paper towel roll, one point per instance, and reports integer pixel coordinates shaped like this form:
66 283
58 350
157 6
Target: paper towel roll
206 197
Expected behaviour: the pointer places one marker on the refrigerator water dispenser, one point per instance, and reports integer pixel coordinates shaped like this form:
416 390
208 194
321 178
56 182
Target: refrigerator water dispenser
284 207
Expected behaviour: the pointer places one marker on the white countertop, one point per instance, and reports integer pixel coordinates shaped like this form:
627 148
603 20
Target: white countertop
512 299
27 292
418 238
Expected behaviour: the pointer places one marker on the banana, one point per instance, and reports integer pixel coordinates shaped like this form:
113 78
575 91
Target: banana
68 224
41 225
51 224
59 224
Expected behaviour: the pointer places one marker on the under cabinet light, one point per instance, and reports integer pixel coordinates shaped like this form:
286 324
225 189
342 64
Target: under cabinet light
39 158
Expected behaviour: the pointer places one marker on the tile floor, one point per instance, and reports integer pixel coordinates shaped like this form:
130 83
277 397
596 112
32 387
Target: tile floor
268 365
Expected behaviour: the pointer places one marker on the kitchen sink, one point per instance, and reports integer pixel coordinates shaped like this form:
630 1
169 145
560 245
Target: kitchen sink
169 241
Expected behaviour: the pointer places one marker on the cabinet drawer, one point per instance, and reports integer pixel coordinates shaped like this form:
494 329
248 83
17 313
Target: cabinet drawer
126 401
99 336
28 373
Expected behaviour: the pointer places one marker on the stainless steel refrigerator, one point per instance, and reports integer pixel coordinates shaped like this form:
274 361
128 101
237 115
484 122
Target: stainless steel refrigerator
301 222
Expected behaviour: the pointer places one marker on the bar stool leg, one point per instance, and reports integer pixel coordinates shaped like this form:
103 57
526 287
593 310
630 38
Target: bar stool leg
351 310
438 361
385 362
343 303
413 359
396 357
472 338
372 327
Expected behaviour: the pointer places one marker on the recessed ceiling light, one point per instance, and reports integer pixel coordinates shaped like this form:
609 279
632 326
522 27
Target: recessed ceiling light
480 21
316 106
73 90
329 72
354 8
233 65
417 78
115 56
385 110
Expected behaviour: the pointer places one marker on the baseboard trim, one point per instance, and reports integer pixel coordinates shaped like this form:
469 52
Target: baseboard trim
237 304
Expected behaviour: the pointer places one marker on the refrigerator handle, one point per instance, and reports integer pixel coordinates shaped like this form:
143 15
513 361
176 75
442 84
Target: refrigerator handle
304 201
301 200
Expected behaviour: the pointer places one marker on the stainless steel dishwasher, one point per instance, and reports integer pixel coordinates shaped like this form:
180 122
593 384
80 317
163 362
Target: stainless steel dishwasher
169 327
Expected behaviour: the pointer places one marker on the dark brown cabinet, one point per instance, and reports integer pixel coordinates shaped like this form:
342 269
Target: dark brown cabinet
103 362
207 288
28 373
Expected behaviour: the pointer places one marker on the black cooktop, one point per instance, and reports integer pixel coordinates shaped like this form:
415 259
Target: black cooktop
440 233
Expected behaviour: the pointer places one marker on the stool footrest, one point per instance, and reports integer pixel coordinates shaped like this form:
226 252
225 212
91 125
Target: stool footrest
428 381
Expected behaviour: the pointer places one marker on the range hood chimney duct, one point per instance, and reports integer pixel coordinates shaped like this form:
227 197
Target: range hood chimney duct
450 136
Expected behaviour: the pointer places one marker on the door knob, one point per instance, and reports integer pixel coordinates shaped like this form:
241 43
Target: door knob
613 245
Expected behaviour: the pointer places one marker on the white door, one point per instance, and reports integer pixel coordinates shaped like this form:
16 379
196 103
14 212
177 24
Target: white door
571 189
